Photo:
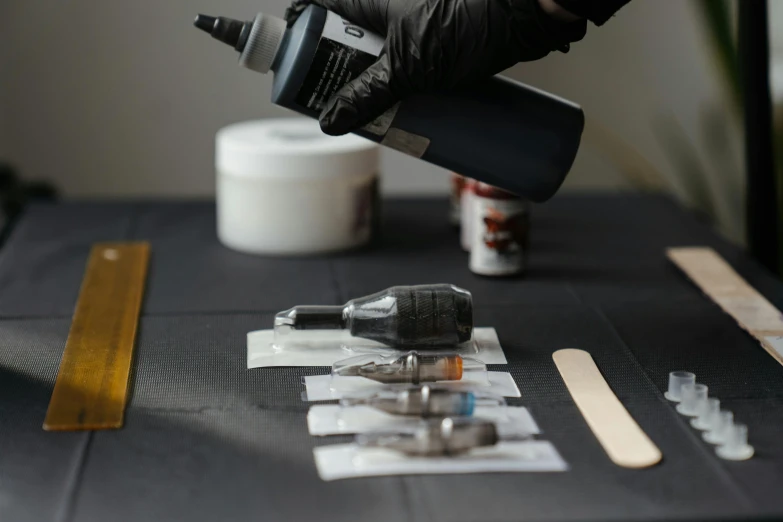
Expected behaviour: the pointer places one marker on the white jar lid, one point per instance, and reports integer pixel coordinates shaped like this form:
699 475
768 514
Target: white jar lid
291 148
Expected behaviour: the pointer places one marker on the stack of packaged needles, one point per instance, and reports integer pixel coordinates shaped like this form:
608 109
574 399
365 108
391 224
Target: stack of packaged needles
409 372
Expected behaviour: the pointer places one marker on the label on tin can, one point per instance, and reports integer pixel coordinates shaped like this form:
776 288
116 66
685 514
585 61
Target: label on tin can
501 229
366 218
466 215
457 185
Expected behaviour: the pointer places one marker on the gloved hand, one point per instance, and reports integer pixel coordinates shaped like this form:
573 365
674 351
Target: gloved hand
434 45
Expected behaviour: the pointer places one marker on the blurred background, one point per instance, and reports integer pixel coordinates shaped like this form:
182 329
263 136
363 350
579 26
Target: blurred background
123 99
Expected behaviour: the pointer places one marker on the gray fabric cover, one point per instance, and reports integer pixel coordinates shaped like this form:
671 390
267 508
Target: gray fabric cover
206 439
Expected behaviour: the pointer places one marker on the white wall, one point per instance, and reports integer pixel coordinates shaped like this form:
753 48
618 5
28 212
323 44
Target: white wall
123 98
651 60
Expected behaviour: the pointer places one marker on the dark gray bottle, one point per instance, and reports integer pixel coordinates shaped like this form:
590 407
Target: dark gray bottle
498 131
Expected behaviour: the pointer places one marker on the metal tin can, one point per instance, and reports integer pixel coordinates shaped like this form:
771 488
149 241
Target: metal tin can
501 231
457 185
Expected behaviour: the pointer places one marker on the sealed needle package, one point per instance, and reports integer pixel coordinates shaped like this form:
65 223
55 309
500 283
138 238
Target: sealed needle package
436 317
447 445
396 407
374 371
425 401
441 437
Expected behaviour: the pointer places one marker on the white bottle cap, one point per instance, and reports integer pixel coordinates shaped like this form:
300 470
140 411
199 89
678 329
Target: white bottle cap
262 44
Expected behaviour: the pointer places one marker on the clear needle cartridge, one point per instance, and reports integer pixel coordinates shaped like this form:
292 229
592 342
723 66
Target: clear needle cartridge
449 436
402 316
410 368
425 401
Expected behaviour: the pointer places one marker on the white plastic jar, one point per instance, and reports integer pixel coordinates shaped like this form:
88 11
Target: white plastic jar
285 188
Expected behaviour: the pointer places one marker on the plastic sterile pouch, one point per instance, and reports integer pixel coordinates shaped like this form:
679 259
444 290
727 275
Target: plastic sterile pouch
395 406
442 437
412 367
425 400
333 419
373 372
449 445
324 348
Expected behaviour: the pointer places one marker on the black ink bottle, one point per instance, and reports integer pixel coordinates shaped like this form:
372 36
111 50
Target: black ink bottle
498 131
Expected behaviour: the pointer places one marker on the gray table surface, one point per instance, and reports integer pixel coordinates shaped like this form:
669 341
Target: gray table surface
205 439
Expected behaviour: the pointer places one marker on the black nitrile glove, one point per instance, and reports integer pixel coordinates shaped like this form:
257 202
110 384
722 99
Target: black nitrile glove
294 10
436 44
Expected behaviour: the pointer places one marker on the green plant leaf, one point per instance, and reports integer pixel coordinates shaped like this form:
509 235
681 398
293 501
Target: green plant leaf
691 173
717 18
633 166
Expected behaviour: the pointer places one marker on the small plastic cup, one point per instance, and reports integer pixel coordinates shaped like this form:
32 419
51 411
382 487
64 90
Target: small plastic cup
709 410
676 381
720 429
692 396
735 446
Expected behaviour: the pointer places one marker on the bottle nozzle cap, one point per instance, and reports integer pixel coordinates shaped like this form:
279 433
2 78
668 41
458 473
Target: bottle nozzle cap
205 23
262 43
229 31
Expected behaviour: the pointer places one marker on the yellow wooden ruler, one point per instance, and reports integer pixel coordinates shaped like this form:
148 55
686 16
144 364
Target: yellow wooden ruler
621 437
734 295
92 385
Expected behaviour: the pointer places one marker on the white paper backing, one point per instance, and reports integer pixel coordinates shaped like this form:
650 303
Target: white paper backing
350 461
329 419
261 352
319 387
